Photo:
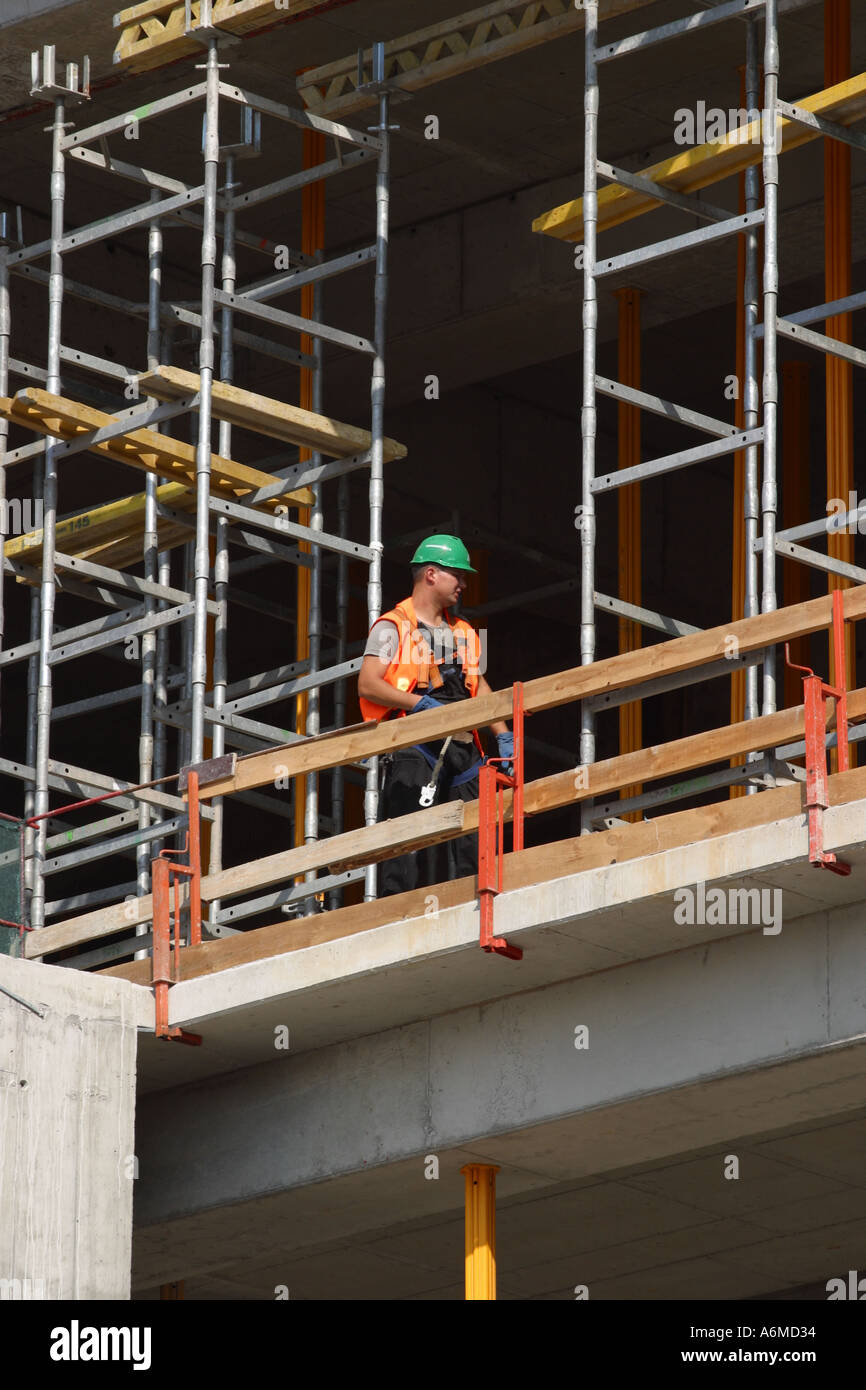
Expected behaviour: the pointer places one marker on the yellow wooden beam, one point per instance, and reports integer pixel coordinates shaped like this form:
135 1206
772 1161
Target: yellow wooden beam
81 533
277 419
153 32
702 165
143 449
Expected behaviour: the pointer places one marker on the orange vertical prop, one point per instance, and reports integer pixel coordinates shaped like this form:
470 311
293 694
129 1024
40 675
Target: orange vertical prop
837 248
628 499
312 241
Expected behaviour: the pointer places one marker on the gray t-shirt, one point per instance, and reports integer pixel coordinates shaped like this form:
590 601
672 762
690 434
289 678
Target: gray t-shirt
384 639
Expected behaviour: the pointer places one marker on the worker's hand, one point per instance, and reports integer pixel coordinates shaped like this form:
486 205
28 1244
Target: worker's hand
505 744
426 702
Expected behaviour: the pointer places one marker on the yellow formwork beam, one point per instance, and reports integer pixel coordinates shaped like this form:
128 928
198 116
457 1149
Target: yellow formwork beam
153 32
702 165
110 533
480 1260
144 449
249 410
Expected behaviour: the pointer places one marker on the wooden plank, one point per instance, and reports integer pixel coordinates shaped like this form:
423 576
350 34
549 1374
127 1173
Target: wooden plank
142 45
702 165
650 764
383 841
440 823
116 552
533 866
547 692
277 419
667 759
143 449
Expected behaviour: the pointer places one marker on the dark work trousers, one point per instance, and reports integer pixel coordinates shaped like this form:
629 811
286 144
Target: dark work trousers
405 773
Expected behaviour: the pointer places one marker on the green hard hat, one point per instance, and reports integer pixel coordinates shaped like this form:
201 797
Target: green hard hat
447 551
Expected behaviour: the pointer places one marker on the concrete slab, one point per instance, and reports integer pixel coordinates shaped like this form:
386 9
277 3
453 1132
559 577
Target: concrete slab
577 926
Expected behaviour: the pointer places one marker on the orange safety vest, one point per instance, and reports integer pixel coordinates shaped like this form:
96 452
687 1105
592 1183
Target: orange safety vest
413 665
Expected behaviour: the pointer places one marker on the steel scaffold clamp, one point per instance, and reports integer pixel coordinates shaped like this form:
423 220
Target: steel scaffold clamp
491 830
816 693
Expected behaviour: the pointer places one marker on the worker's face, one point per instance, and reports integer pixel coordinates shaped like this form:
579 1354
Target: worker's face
450 584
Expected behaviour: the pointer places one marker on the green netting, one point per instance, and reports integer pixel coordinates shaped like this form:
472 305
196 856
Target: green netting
10 884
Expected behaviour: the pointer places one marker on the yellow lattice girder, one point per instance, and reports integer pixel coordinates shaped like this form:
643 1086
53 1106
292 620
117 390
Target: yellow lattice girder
152 33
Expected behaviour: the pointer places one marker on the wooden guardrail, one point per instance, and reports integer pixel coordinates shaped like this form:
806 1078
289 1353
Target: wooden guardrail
439 823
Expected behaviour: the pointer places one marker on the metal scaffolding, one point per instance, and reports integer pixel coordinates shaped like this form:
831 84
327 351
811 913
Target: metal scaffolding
779 125
194 498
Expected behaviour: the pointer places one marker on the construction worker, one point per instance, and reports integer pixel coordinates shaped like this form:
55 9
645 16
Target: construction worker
419 657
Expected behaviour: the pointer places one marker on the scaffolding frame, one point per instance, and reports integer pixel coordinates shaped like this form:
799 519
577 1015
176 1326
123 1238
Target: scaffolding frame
217 501
758 439
214 515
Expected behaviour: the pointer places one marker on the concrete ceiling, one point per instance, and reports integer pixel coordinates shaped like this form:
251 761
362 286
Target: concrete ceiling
627 1196
795 1217
508 128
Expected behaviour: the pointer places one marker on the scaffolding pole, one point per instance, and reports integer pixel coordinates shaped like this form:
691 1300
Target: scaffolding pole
221 548
377 401
771 306
589 412
49 519
206 376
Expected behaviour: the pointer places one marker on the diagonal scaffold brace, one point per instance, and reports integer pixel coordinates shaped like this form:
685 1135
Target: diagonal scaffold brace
491 830
816 693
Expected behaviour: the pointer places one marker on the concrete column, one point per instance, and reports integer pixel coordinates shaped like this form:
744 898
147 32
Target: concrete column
67 1106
